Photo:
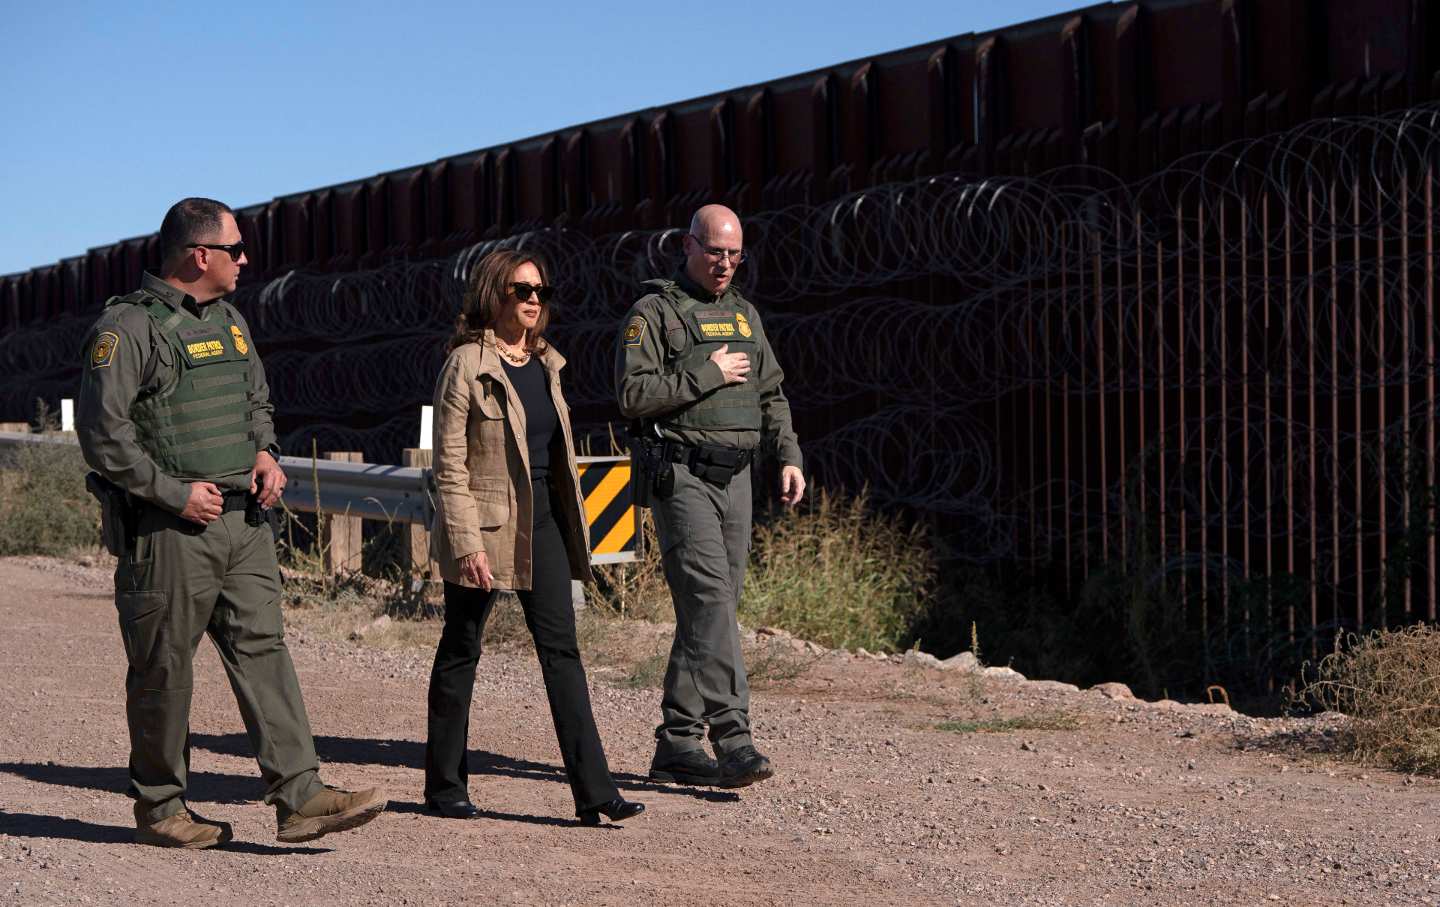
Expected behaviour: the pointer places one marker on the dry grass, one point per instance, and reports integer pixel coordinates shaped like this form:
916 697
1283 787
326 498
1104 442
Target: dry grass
1045 721
839 573
1388 684
637 590
44 507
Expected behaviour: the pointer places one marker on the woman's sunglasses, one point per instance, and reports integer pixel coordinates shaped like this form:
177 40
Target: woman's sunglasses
522 292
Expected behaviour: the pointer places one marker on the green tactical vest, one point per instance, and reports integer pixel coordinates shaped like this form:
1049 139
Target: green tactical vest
691 336
198 425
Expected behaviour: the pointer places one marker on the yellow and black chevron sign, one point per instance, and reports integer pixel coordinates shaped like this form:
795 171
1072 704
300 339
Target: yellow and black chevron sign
610 511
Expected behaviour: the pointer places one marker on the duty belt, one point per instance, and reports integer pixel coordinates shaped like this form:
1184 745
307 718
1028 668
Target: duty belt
714 463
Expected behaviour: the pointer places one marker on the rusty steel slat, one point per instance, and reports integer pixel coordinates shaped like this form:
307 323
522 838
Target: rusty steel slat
1223 435
1381 392
1407 451
1182 377
1334 403
1360 434
1313 431
1359 428
1049 430
1083 421
1031 464
1163 488
1202 470
1104 392
1122 395
1142 493
1065 423
1289 334
1430 227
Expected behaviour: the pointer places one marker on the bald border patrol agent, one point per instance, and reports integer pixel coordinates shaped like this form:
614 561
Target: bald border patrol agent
174 416
698 377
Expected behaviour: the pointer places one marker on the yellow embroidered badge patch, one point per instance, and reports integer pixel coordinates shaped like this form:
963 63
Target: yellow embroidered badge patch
205 349
103 351
241 346
635 331
744 323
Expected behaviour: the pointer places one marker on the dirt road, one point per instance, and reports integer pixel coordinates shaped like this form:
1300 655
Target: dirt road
1123 803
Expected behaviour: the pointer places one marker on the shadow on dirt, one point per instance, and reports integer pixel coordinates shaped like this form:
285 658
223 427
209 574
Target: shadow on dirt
411 754
29 825
419 809
202 787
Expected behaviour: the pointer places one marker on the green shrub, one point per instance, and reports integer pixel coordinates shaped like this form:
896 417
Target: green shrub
832 570
837 572
1388 683
44 507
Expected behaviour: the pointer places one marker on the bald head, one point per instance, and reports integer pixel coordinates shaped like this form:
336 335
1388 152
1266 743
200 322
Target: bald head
714 232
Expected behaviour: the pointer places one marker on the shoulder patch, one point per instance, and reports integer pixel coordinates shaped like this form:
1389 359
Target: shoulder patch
102 351
635 331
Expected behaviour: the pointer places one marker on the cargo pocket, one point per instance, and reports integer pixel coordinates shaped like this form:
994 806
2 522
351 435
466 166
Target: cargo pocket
492 502
144 620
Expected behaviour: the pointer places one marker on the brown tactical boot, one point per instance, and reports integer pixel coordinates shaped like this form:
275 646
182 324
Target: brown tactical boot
330 810
183 830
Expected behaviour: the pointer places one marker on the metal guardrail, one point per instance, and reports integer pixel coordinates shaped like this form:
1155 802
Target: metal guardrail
369 491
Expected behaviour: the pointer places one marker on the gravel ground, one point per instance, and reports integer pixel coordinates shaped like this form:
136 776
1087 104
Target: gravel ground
1117 802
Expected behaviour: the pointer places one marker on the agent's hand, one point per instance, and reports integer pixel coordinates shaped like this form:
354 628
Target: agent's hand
734 366
475 568
268 478
792 485
203 505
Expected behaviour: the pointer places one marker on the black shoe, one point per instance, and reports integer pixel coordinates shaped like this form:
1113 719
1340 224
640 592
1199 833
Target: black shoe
454 809
617 810
688 767
744 767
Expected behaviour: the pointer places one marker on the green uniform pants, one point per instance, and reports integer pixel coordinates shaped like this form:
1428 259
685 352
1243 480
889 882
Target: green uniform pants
704 536
184 581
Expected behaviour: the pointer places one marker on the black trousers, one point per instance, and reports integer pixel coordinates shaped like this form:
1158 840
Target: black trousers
551 618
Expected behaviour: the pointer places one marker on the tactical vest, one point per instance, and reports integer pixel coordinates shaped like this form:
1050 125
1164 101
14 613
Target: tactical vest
198 425
691 336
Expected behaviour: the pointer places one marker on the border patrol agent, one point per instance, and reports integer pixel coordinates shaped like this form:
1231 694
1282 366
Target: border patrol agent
174 416
696 372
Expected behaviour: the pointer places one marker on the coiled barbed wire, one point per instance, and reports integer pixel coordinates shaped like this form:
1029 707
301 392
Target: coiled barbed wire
1043 363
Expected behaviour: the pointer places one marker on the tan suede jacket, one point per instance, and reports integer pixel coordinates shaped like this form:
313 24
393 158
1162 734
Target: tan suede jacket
482 470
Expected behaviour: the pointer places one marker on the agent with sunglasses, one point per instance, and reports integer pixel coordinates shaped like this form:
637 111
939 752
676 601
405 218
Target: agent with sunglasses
509 516
174 416
696 373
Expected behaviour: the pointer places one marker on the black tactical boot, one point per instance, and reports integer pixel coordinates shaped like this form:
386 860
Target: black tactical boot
742 767
688 767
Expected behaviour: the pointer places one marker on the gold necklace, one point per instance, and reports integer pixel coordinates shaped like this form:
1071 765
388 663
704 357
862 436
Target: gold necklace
518 359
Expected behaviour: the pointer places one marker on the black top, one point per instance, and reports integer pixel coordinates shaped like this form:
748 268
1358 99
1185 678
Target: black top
533 388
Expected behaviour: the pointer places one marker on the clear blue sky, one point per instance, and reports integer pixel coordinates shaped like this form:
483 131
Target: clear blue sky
109 112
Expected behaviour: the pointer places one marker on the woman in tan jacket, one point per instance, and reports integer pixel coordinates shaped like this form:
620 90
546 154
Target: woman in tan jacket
509 516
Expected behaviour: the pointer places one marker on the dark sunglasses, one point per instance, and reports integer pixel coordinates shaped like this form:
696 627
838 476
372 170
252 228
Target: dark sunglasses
522 292
235 249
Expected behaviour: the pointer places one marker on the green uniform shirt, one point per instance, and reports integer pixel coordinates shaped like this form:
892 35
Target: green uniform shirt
126 358
645 391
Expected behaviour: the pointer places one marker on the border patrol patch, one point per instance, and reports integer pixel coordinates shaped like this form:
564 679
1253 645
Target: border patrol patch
635 331
241 346
744 323
103 350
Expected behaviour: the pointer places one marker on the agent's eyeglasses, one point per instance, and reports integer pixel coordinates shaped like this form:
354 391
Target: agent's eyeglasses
235 249
715 253
522 292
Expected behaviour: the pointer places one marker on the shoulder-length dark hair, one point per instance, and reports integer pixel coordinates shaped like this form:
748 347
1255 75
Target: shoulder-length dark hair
485 296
